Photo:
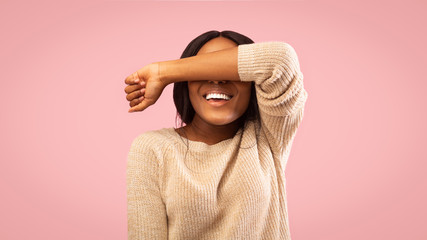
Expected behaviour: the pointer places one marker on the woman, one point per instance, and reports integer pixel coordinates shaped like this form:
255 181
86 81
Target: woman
222 175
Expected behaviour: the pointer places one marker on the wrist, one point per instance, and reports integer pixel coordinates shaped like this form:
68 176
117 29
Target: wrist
168 71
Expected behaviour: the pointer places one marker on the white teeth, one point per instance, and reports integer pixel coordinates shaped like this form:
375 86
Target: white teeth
217 96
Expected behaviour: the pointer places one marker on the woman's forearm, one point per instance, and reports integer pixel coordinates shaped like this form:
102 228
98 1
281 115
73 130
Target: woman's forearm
219 65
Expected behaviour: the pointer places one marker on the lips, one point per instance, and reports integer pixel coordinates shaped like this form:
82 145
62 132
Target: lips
217 95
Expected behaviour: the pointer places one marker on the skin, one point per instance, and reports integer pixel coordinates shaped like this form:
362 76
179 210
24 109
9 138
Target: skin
214 124
211 124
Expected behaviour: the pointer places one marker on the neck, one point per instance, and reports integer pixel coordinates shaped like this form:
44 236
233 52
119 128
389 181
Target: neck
201 131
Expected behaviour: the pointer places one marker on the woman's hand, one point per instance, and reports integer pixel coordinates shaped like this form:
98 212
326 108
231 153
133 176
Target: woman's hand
145 87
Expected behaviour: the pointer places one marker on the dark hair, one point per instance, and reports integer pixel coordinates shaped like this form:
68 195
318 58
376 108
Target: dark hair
181 98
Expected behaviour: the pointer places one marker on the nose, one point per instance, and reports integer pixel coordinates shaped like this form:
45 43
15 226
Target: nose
217 81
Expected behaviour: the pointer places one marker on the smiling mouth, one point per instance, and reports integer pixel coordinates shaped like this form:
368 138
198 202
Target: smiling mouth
217 97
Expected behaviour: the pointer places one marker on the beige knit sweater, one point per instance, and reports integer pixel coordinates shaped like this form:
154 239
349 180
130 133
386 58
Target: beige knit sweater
235 189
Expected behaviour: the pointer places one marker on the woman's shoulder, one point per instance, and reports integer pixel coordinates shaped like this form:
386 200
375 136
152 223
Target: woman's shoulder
154 139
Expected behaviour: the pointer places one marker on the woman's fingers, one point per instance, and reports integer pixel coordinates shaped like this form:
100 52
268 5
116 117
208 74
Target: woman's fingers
135 94
132 79
144 83
136 101
141 106
135 91
134 87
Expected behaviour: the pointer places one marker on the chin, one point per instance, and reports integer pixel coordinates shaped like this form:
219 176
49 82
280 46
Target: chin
220 119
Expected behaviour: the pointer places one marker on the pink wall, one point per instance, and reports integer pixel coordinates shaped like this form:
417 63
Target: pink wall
357 168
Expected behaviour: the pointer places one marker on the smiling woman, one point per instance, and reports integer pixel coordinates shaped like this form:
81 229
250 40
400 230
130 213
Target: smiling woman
205 96
241 103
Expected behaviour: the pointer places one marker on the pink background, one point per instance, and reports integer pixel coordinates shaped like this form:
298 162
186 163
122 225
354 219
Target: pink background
358 163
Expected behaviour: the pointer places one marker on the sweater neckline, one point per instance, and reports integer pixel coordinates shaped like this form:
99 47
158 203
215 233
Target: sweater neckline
204 147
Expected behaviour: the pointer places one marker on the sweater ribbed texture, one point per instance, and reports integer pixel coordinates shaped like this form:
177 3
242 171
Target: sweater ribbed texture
235 189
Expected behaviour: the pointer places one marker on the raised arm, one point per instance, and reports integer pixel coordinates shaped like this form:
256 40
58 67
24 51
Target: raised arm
153 78
219 65
273 66
281 96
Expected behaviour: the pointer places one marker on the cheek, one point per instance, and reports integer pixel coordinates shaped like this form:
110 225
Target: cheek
194 101
192 93
244 98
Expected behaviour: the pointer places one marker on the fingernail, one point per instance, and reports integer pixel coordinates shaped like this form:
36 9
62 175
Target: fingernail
130 110
141 98
136 80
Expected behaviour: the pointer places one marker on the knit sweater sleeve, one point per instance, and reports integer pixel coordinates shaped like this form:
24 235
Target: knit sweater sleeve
274 67
146 211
